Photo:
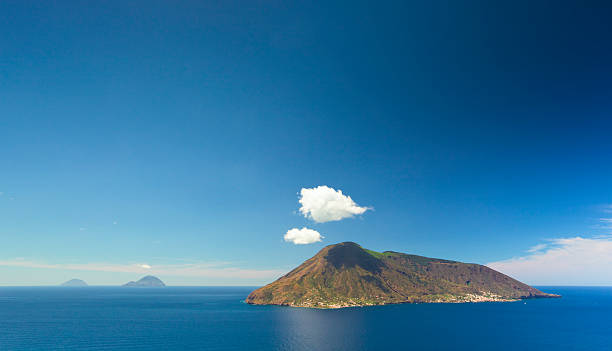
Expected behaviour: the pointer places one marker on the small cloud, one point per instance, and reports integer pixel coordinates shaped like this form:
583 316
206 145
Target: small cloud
325 204
145 266
82 229
302 236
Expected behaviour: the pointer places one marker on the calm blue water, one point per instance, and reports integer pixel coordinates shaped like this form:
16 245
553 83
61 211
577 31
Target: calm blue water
213 318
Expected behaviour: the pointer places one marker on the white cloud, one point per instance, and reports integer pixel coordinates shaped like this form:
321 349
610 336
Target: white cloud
302 236
144 265
325 204
563 261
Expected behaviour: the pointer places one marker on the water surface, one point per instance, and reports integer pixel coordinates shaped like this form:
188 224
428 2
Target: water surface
215 318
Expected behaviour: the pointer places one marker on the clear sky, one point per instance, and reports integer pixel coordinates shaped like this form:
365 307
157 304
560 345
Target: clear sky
175 138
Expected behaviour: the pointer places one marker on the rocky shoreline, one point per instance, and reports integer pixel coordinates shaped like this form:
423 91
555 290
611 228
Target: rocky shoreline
468 298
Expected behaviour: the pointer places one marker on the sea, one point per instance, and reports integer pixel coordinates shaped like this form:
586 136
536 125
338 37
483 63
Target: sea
216 318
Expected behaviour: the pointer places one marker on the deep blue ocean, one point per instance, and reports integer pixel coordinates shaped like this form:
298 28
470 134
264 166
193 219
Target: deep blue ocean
216 318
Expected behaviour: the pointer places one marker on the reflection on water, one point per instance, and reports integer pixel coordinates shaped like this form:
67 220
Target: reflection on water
310 329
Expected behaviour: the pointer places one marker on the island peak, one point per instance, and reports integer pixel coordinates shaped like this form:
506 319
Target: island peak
146 281
74 283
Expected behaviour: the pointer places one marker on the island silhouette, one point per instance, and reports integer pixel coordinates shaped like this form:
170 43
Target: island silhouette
74 283
147 281
347 275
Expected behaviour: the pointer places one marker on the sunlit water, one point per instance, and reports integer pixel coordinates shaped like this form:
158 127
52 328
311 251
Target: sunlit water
215 318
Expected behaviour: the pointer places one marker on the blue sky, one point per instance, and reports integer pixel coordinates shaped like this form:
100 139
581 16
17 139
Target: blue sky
175 138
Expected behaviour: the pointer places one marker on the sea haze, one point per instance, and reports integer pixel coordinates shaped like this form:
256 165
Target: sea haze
216 318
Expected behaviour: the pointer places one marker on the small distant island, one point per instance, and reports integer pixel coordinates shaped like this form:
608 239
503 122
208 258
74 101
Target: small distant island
347 275
148 281
74 283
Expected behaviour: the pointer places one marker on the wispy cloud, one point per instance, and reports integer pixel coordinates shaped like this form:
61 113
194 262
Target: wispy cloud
200 269
563 261
537 248
605 222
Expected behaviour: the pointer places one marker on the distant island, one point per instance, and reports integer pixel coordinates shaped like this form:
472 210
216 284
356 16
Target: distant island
148 281
74 282
347 275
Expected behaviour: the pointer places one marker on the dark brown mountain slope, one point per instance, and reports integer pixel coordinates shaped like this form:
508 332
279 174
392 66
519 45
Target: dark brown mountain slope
345 275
